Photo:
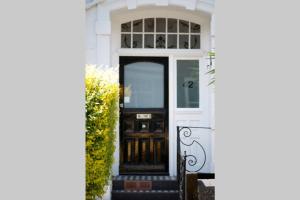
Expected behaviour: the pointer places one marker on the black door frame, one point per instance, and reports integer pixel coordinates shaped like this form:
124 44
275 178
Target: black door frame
124 60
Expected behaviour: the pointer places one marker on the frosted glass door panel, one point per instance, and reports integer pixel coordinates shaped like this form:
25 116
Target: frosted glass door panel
187 84
144 85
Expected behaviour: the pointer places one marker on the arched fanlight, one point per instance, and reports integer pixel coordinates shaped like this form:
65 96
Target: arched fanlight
161 33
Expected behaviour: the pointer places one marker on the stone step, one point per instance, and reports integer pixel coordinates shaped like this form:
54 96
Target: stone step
206 189
145 195
145 183
144 178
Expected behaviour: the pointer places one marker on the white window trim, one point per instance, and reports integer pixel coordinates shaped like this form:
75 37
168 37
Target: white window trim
186 53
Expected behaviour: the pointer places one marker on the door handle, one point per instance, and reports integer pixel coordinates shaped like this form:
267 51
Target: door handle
121 105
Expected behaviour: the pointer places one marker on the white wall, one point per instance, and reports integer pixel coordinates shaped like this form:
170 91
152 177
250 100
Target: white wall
90 34
198 118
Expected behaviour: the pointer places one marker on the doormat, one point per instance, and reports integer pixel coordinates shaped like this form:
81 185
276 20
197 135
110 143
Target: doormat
137 185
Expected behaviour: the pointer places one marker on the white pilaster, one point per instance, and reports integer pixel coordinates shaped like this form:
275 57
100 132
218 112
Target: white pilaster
212 32
172 129
103 32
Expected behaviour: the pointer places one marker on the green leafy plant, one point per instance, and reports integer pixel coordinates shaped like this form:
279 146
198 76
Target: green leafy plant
101 117
211 67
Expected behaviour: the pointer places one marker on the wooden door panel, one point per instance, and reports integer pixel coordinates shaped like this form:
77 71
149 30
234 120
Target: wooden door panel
157 126
158 151
144 150
128 126
129 153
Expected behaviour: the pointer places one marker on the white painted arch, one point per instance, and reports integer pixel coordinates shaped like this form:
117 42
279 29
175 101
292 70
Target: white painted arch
106 8
111 5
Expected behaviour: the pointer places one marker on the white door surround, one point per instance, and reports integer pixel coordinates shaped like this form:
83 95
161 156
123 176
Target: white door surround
108 18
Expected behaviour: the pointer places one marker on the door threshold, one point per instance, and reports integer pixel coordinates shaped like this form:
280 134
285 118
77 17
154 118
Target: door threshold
145 173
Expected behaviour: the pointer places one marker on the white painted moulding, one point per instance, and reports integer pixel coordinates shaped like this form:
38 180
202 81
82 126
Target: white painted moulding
131 4
162 3
205 5
92 3
103 27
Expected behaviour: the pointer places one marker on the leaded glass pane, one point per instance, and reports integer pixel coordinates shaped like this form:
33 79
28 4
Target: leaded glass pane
195 28
137 41
144 34
195 41
125 40
172 25
126 27
149 41
160 41
161 25
138 25
183 26
172 41
183 41
149 25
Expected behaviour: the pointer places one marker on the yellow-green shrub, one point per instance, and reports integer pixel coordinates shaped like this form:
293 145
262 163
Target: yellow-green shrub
101 116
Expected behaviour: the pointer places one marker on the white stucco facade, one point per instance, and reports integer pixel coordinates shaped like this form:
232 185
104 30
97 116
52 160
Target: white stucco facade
103 47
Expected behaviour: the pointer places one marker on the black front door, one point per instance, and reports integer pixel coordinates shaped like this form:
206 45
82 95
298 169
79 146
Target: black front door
144 115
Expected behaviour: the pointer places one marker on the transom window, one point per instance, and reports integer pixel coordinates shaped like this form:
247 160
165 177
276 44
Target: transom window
160 33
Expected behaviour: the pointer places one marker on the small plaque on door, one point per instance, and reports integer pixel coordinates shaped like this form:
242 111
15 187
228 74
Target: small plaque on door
143 116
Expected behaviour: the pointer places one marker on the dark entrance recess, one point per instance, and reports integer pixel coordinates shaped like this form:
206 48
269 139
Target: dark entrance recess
144 115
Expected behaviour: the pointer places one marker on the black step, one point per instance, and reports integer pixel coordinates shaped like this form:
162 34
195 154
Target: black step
145 195
139 187
158 182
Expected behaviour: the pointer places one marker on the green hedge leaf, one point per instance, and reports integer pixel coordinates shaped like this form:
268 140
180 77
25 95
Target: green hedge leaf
101 116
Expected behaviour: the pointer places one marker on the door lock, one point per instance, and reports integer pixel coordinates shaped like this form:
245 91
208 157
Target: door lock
121 105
